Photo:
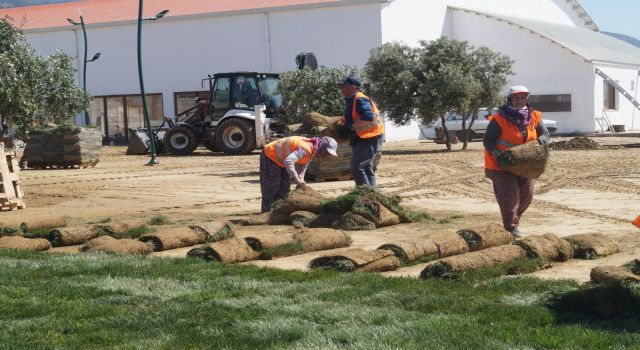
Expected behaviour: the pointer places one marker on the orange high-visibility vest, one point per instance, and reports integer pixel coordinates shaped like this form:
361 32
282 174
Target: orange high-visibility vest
364 128
511 137
279 150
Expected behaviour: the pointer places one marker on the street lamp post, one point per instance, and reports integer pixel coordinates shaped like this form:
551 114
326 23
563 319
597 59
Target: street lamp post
145 110
87 121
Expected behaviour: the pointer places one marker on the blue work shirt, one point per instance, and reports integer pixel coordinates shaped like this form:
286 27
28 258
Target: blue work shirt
363 107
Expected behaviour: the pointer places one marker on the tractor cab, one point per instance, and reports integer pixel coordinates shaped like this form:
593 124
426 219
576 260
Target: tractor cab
243 91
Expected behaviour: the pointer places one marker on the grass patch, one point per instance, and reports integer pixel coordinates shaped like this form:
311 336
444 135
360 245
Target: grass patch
159 220
282 250
598 303
115 302
516 267
449 219
8 231
38 233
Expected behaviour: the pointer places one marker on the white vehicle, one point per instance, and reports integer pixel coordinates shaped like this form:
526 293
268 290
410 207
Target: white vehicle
478 129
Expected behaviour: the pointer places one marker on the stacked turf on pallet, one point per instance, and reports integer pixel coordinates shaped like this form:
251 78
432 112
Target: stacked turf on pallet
329 168
63 146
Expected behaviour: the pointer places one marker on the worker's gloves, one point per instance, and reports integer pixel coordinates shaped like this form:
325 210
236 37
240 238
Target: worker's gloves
544 144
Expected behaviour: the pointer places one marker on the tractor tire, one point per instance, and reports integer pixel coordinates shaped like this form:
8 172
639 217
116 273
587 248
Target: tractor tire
180 140
236 136
211 145
470 135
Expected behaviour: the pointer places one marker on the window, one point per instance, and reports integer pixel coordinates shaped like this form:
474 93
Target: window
115 115
610 97
551 103
186 100
221 94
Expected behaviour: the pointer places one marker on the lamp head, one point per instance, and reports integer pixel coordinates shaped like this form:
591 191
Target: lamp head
72 22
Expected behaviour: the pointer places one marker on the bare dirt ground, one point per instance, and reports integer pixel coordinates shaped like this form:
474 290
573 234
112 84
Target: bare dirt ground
581 192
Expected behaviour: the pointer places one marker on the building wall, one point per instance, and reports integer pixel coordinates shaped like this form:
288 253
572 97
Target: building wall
414 20
625 114
178 53
553 71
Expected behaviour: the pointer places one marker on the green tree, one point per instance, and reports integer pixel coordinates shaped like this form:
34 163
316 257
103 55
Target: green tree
309 90
436 79
35 90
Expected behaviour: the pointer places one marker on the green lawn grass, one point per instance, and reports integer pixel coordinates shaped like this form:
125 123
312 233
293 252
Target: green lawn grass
95 301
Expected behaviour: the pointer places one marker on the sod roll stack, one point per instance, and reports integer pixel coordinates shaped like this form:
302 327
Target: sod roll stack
547 246
173 237
215 231
357 260
591 245
110 245
21 243
474 260
63 146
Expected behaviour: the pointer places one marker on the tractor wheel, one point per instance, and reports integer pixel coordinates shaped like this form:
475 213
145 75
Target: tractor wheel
180 140
211 145
470 135
236 136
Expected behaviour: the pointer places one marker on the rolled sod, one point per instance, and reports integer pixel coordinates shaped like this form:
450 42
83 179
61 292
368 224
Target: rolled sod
302 218
21 243
375 212
591 245
547 246
357 260
528 160
173 237
483 237
110 245
215 231
408 250
232 250
474 260
66 236
268 218
314 239
40 224
350 221
615 274
269 240
300 200
118 227
450 244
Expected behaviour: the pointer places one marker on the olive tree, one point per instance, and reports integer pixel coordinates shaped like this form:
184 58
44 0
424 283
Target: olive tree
436 79
35 90
308 90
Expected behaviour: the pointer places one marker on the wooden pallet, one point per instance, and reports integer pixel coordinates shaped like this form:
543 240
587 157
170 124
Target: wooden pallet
11 196
337 176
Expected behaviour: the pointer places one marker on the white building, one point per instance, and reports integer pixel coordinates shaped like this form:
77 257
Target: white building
556 47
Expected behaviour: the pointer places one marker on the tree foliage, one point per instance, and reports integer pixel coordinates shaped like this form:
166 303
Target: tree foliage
35 90
309 90
437 78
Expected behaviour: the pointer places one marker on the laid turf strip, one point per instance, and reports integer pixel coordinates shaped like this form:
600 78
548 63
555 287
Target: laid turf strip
547 246
215 231
21 243
36 224
110 245
615 274
173 237
474 260
591 245
483 237
232 250
409 250
357 260
66 236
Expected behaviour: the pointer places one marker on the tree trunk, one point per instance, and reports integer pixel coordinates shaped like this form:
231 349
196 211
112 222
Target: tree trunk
465 130
447 138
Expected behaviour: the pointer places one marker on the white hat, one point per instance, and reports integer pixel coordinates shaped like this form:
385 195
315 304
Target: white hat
331 145
518 89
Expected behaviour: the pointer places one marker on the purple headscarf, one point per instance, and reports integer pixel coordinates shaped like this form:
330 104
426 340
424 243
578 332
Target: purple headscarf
319 143
521 117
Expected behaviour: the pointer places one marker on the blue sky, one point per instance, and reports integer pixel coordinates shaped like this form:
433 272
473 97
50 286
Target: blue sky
618 16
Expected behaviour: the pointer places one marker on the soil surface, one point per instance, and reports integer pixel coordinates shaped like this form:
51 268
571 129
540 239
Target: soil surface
582 191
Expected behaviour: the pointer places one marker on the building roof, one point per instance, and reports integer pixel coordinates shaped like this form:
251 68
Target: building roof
108 11
591 45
